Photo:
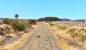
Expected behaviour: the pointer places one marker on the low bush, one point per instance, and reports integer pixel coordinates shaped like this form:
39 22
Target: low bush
6 21
19 26
32 22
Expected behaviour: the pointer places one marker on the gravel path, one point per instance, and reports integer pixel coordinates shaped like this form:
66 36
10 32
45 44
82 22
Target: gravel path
41 40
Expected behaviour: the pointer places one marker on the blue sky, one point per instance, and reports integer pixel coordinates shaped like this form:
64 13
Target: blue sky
72 9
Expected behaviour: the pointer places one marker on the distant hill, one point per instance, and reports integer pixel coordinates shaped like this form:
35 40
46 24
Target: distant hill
52 19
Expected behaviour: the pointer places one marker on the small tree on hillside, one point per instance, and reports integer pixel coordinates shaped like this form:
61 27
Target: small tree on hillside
16 16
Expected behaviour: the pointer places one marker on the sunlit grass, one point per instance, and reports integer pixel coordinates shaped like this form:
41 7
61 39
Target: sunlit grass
71 33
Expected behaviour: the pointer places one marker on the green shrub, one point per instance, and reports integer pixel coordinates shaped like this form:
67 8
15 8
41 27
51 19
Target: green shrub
19 26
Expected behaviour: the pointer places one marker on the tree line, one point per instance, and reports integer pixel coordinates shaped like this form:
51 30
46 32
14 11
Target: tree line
49 18
52 19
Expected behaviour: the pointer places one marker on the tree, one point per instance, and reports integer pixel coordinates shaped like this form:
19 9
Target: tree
40 19
16 16
51 19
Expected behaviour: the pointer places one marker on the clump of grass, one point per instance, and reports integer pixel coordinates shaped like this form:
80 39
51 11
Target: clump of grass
82 29
83 38
51 24
78 33
72 30
9 30
61 27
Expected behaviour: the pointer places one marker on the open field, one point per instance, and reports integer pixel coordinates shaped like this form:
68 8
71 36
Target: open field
45 36
42 24
73 34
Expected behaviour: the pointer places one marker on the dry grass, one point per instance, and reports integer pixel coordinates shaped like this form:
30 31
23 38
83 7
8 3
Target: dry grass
17 45
61 38
64 46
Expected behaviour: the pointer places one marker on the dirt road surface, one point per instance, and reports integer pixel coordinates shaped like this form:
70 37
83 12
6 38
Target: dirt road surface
41 40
